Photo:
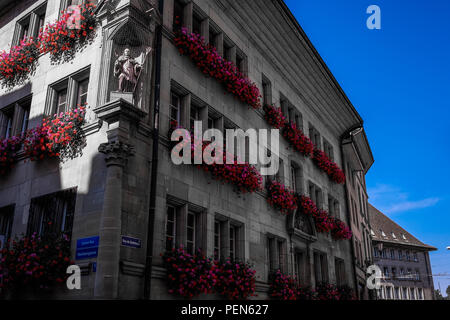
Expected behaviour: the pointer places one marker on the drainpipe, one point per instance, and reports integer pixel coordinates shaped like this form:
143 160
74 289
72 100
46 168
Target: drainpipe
154 170
352 248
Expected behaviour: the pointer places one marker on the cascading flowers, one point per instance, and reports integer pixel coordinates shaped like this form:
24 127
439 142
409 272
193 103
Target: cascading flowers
297 139
34 263
60 136
235 280
274 116
331 169
212 64
19 63
244 177
340 231
281 198
283 287
61 39
64 38
8 151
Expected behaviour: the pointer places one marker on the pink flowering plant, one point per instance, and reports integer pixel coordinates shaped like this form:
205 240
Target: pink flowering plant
283 287
245 178
329 167
297 139
188 275
340 231
327 291
281 198
213 65
19 63
235 280
34 263
274 116
8 152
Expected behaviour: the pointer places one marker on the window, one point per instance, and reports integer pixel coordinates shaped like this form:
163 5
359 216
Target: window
400 254
190 232
68 93
14 118
386 272
194 116
6 221
196 24
175 108
171 223
340 272
396 293
315 194
227 239
7 122
184 223
392 254
296 178
276 254
405 294
402 273
409 274
241 62
388 293
333 207
417 275
229 51
394 273
415 257
314 135
217 238
375 252
52 214
178 15
420 294
30 25
328 149
320 267
300 267
408 257
267 91
413 294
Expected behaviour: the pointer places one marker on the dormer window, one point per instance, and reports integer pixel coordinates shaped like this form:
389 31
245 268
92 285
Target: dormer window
404 237
372 233
394 236
382 233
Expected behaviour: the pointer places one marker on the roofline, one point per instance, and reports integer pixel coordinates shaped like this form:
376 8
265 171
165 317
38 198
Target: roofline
425 246
317 55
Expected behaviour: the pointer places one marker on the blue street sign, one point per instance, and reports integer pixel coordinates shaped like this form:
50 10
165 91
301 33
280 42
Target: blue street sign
91 242
86 253
87 248
131 242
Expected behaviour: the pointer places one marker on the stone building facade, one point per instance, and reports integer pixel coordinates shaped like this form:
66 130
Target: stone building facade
358 160
111 190
403 259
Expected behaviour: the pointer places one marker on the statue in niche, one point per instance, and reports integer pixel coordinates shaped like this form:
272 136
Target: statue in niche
302 223
128 69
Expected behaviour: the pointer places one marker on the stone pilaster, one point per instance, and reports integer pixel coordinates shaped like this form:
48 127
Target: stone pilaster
107 277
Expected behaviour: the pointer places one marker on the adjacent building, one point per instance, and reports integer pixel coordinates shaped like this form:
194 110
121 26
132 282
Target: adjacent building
403 259
110 192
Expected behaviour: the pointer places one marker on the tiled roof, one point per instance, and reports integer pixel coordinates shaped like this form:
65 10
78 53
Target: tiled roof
386 230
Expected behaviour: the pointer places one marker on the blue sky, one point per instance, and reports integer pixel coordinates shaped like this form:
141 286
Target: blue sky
398 78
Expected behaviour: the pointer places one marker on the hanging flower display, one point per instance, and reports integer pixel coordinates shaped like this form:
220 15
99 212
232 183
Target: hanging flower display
34 263
17 65
59 136
235 280
326 291
212 64
244 177
8 151
281 198
62 39
188 275
340 231
332 169
274 116
323 221
283 287
68 35
297 139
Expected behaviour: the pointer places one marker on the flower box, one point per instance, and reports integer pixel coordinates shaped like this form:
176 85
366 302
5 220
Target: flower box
213 65
329 167
297 139
281 198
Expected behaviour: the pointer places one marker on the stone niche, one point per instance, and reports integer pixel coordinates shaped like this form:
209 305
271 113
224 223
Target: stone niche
128 44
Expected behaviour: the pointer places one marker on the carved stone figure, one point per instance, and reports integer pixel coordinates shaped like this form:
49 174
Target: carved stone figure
128 70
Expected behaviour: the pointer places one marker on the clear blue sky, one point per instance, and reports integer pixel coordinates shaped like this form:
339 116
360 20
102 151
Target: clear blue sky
398 78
